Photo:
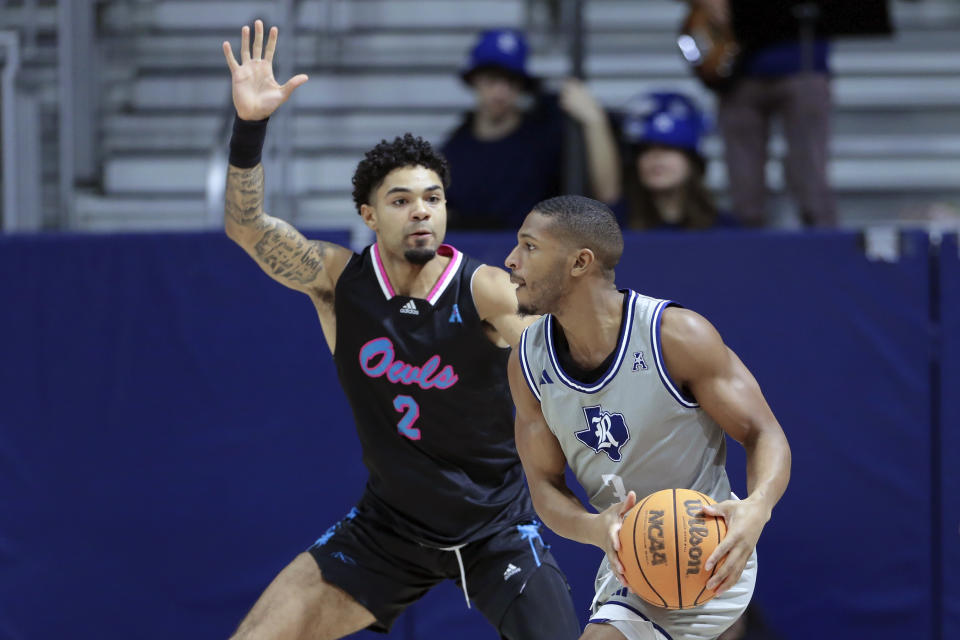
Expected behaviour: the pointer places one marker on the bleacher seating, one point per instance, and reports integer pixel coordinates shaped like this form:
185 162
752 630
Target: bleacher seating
382 67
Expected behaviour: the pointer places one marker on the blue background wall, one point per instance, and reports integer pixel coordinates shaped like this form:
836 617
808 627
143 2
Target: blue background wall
949 427
172 432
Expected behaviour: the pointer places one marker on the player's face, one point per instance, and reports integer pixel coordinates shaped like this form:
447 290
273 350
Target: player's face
663 168
410 216
538 266
498 94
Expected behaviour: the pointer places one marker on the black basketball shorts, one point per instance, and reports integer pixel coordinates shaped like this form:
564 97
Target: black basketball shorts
387 572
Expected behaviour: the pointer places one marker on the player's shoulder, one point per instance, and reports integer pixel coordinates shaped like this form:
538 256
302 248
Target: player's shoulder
486 275
687 335
682 323
346 262
493 293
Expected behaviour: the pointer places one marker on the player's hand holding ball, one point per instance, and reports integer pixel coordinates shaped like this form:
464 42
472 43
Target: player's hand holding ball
256 94
745 520
610 521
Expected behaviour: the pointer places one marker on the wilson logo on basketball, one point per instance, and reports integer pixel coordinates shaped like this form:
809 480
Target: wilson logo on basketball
697 528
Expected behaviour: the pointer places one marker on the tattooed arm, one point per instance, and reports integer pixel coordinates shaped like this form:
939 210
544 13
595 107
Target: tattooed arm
310 266
281 251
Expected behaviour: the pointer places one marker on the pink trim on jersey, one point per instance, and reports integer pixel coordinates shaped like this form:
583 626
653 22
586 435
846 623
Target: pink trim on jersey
448 274
442 283
381 273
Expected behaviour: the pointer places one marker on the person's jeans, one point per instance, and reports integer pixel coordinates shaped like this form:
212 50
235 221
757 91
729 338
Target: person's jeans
803 103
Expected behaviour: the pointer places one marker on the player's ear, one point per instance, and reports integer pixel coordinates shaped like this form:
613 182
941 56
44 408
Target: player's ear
582 262
369 215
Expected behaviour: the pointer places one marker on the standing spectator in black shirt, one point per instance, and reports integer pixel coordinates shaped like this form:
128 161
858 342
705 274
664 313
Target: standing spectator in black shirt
776 77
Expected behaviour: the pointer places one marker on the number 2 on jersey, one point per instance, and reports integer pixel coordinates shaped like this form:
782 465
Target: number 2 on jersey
412 409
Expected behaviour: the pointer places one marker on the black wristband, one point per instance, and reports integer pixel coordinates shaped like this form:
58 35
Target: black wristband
246 143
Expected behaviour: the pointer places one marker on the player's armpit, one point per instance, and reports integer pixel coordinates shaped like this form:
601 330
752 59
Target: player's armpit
496 300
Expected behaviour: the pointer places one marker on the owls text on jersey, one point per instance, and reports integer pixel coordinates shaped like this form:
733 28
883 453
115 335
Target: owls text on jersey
633 428
431 403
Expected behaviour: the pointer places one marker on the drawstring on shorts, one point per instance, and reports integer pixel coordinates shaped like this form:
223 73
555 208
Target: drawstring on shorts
463 574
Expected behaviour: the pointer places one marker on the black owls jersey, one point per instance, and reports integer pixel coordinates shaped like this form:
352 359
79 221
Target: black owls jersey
432 404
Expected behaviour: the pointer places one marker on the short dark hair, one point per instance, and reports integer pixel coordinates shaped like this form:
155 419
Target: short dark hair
405 151
588 223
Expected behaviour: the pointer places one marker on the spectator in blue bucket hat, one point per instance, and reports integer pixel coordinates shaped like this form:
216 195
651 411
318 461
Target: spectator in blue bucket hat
500 50
507 154
665 168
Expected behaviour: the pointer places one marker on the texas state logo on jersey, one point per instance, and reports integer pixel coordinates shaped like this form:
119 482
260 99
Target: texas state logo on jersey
606 432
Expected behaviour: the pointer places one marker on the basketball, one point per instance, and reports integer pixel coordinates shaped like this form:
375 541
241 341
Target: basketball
664 544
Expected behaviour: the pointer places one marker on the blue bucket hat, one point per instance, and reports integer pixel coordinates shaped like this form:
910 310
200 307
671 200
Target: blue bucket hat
664 118
502 49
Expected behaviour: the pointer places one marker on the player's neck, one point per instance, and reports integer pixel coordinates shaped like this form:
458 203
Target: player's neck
412 280
591 323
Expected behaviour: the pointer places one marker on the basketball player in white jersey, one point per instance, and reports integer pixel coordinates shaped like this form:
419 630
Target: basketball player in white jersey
635 394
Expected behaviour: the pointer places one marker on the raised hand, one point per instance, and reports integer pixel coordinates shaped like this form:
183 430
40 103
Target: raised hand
256 93
577 101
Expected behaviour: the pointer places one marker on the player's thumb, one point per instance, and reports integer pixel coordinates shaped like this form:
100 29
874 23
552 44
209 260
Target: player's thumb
628 503
292 84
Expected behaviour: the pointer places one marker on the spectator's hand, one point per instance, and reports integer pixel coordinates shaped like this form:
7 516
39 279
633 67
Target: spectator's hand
609 521
745 520
255 92
577 101
718 10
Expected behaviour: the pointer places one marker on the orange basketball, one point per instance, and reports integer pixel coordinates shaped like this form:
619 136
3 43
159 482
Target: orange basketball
664 544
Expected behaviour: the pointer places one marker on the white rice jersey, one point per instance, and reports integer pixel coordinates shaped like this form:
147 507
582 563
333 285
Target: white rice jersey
633 428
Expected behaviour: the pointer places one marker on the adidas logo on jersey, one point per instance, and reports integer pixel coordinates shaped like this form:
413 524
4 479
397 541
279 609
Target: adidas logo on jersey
410 308
511 571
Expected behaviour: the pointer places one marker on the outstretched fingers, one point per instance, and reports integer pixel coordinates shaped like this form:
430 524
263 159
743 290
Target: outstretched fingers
271 44
228 54
245 44
257 40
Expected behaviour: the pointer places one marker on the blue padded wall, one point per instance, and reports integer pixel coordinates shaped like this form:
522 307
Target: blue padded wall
949 426
173 432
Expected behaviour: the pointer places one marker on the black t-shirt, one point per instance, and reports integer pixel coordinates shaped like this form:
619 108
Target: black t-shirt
431 402
495 184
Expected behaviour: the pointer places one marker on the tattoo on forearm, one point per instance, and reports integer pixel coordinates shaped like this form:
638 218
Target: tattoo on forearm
244 195
281 250
289 255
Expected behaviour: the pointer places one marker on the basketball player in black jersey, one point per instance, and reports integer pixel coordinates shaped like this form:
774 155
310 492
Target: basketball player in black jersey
420 336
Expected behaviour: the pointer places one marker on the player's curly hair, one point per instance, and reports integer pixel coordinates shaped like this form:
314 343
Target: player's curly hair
405 151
